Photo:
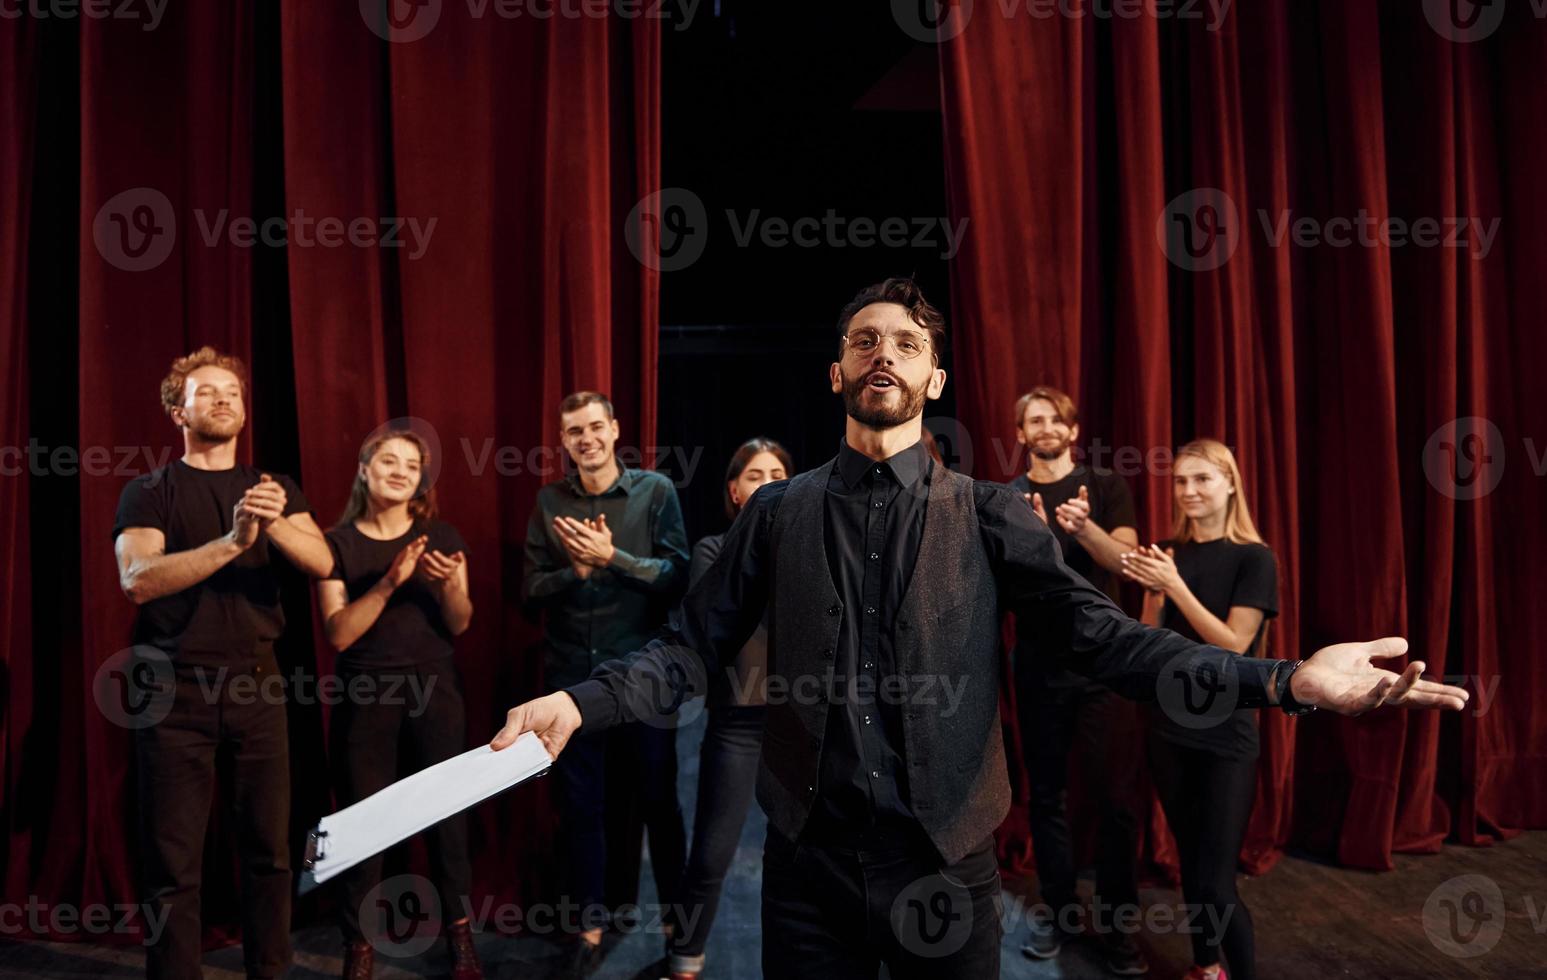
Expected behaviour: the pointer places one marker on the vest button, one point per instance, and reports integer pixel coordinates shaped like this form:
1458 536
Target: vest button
828 653
833 610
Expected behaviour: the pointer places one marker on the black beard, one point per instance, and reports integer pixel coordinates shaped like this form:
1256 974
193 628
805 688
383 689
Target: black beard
909 407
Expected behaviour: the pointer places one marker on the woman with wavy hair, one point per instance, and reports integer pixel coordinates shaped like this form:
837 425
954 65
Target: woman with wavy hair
397 596
1213 581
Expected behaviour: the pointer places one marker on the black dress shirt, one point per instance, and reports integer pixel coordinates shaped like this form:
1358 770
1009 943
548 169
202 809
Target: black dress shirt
874 522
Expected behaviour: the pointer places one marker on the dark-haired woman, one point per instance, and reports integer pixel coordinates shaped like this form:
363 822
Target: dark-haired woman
396 597
727 768
1215 582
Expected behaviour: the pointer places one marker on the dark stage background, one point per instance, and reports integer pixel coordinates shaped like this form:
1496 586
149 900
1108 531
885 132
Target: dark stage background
1061 141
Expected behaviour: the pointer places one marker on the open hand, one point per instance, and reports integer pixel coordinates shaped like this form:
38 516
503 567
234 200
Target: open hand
1344 678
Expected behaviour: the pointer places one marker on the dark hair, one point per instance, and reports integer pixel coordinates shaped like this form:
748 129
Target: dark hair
421 507
905 293
580 399
743 456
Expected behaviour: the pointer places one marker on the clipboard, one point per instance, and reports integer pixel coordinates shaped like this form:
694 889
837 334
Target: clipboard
344 839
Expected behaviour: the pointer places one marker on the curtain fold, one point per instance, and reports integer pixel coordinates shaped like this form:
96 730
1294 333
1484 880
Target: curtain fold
485 168
1073 144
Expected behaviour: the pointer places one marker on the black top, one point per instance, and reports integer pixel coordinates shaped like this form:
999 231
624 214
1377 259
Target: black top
411 629
618 608
1221 574
1111 506
233 616
741 684
874 517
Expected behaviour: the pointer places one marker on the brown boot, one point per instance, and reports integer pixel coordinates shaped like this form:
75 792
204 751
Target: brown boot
359 961
464 956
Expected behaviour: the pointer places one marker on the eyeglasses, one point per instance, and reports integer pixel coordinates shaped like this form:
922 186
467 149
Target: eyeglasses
907 343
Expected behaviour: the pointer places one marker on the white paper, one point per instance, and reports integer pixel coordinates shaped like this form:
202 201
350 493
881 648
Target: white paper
422 800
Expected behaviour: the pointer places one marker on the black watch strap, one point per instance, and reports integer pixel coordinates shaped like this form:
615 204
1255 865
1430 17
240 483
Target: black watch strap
1286 701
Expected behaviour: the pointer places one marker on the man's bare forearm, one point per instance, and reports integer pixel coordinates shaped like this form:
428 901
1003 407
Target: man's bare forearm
160 575
306 551
1104 548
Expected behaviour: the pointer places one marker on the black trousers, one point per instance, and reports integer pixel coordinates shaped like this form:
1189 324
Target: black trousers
581 773
376 741
837 913
1208 801
242 725
727 781
1101 729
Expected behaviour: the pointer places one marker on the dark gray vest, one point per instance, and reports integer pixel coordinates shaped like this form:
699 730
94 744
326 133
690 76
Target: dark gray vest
946 635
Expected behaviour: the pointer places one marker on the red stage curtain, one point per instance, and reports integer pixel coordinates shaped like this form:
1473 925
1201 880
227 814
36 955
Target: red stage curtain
1327 369
526 143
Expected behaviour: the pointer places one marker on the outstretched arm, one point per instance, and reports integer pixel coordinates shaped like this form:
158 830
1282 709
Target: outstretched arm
1067 614
718 615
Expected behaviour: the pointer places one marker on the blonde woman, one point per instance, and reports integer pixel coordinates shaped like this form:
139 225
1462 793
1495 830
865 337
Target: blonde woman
1213 581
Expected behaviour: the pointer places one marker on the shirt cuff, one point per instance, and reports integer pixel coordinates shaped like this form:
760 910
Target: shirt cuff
624 563
1253 678
598 708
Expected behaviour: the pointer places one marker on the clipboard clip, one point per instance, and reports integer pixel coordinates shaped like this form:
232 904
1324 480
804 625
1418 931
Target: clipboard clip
316 848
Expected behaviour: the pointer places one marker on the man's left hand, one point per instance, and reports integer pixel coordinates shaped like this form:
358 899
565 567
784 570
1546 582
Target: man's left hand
1343 678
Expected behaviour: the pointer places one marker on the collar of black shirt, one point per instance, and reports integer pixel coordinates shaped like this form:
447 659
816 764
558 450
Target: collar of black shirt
623 484
907 466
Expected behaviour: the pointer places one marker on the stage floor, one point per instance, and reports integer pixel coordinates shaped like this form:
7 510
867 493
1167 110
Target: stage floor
1312 921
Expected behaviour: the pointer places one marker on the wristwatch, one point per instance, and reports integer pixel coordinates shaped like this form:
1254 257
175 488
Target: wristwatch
1286 700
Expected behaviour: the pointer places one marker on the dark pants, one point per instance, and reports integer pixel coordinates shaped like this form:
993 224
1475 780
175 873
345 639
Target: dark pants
1208 801
245 728
404 725
650 755
727 780
837 913
1101 728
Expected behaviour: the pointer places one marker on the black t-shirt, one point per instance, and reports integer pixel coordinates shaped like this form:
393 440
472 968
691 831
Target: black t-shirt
1221 574
1111 506
235 614
411 629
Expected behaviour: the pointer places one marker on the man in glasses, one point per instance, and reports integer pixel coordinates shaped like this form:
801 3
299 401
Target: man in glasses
883 575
